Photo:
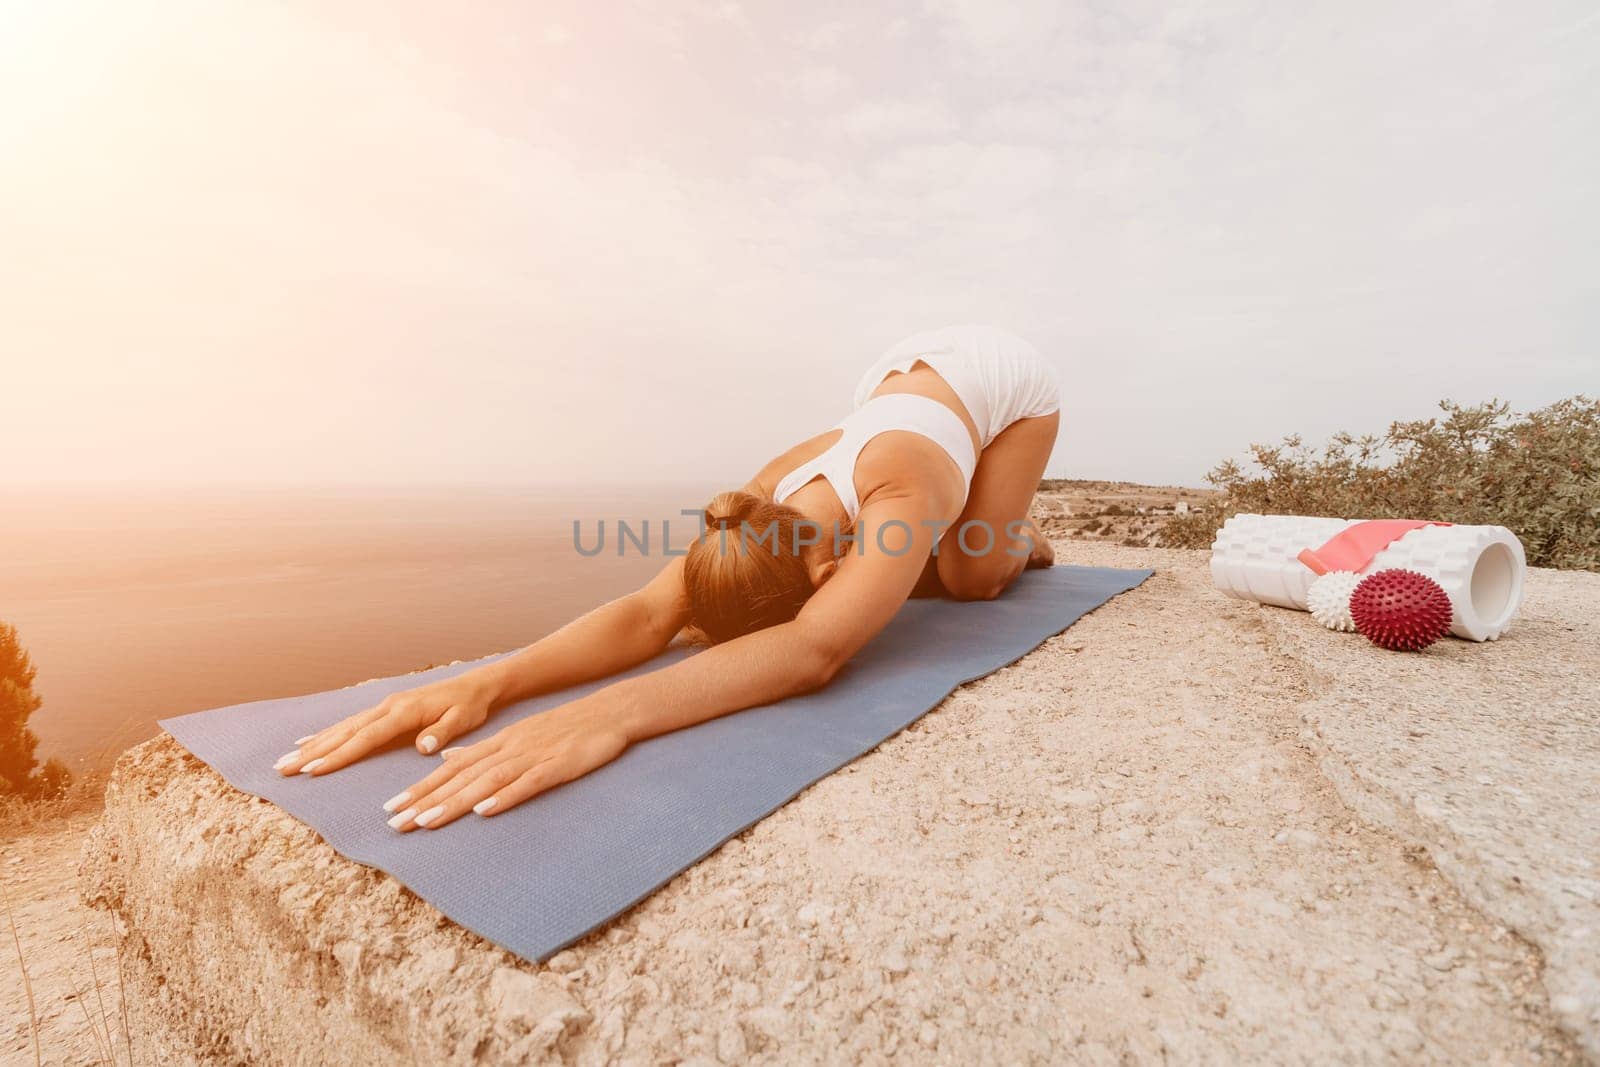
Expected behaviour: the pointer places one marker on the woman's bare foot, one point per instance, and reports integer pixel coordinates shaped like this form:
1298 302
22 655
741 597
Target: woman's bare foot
1043 554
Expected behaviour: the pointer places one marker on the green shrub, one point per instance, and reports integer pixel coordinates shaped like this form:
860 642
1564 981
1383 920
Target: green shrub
18 701
1537 474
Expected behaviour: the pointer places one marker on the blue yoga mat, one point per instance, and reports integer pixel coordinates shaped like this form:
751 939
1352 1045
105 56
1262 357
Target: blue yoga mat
542 875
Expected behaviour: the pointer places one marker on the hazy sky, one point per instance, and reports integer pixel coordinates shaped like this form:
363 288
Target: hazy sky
514 242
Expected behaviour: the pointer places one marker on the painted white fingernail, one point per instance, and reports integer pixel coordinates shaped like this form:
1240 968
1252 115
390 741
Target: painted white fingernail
429 744
484 807
303 740
313 765
286 759
446 753
431 814
403 818
397 800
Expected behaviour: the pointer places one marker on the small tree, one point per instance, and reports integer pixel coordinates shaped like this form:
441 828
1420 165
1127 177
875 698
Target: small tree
18 701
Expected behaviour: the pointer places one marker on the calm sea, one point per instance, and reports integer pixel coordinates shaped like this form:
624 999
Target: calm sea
135 607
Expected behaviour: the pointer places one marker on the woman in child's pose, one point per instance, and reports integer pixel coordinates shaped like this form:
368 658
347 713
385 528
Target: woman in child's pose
923 489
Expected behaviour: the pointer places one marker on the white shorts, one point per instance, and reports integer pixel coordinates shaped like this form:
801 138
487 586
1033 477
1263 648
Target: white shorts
998 376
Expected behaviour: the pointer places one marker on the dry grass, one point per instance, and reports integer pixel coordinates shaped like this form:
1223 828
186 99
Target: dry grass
104 1019
20 816
27 982
70 969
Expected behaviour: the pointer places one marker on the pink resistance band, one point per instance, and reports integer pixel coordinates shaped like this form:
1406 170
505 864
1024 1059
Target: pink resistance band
1353 548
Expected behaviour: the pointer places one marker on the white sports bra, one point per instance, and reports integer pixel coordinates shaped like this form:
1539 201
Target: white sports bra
894 411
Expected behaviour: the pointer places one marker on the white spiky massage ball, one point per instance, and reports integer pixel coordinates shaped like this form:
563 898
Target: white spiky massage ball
1328 600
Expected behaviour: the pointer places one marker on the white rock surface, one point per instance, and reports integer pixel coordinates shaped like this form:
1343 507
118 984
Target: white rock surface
1212 832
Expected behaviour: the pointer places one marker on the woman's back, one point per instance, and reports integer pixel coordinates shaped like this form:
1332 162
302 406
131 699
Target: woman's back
911 434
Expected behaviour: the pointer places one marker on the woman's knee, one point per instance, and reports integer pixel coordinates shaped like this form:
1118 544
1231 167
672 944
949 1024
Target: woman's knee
978 577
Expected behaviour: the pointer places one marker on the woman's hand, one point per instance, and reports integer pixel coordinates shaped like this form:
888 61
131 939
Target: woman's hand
521 761
438 713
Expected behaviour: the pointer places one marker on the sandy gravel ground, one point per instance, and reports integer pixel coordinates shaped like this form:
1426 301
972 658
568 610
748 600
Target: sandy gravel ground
69 950
1489 755
1188 829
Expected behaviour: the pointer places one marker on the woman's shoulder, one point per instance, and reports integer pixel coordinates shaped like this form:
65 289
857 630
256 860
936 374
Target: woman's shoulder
902 464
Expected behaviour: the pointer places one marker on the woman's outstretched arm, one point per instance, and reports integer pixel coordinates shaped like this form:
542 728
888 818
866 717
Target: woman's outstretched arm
613 637
569 741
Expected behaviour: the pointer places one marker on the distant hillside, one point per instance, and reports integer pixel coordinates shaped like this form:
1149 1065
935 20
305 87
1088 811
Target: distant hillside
1122 512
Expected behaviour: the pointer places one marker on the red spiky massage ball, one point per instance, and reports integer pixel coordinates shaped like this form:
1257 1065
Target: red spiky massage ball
1400 610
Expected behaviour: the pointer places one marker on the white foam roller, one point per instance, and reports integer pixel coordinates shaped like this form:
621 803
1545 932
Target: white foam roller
1479 567
1253 557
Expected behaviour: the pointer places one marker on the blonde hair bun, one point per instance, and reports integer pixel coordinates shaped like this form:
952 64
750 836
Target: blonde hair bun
731 508
747 571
